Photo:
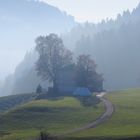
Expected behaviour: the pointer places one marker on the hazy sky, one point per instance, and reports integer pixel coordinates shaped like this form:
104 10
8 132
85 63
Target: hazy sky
94 10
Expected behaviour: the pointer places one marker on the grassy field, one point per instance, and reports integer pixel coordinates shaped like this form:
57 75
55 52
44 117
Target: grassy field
64 114
54 116
12 101
125 122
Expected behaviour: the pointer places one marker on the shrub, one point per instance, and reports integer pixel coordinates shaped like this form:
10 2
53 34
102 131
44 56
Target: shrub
45 136
89 101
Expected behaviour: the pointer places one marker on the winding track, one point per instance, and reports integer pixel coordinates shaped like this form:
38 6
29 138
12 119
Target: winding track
104 117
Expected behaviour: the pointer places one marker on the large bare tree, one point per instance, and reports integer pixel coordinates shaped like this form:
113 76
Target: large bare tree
53 56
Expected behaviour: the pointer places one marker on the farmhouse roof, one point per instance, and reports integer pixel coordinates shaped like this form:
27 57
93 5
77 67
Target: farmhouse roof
82 91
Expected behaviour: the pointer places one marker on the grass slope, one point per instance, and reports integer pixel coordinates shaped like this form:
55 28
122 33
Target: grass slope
125 122
12 101
55 116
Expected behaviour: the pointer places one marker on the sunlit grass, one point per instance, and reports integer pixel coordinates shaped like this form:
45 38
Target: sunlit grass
54 116
125 122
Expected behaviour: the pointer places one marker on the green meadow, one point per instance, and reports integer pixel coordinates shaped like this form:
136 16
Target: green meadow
125 122
64 114
53 116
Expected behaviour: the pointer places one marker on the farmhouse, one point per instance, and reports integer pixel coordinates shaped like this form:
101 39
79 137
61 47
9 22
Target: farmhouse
66 82
81 91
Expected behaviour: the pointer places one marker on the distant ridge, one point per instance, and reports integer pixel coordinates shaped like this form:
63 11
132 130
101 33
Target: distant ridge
35 14
21 21
114 44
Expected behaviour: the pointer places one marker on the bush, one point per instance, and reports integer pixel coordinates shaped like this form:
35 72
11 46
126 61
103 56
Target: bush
89 101
45 136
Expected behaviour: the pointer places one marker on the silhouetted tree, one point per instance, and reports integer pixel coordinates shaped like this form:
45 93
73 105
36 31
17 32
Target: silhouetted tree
89 100
86 75
44 136
39 89
53 56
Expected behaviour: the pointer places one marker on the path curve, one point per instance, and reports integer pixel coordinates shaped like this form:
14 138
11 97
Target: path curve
109 107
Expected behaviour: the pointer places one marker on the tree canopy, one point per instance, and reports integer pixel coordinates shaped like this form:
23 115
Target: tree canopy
86 75
53 56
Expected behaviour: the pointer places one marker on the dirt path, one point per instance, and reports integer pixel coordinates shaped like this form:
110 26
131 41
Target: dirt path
104 117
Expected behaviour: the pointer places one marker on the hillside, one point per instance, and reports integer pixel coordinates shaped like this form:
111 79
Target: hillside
64 114
54 116
21 22
29 14
9 102
125 121
114 45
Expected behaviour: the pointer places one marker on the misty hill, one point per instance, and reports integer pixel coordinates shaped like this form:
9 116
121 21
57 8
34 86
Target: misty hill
21 21
24 79
36 16
90 29
115 46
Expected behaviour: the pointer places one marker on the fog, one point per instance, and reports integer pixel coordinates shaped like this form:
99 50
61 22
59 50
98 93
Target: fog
113 44
115 47
21 21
